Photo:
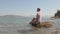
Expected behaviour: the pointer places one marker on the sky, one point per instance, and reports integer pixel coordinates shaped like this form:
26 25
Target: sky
28 7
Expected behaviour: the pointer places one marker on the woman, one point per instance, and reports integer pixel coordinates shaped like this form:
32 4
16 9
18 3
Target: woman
36 21
38 16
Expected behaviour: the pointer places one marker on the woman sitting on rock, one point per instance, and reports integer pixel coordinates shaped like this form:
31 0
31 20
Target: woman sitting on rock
36 21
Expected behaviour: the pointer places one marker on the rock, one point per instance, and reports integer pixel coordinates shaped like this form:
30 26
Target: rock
45 24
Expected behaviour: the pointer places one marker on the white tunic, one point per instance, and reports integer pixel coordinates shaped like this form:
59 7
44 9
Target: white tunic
39 13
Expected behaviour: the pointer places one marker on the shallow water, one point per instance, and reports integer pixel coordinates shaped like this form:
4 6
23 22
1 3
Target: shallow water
26 28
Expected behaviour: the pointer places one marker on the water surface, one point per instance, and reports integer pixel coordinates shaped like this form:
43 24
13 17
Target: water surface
22 26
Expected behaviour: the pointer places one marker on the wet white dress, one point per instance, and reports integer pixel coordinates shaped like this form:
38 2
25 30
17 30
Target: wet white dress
39 14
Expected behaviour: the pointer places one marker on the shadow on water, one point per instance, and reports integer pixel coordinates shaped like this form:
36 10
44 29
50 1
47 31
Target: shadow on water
27 30
24 31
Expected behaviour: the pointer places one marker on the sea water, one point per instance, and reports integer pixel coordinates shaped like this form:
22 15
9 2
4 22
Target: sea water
22 26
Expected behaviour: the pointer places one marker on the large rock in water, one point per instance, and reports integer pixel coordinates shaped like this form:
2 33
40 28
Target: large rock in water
44 24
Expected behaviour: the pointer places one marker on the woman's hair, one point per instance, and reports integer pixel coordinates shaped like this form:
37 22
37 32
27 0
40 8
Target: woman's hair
38 9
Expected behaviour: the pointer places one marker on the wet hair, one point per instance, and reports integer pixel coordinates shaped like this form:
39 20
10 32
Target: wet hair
38 9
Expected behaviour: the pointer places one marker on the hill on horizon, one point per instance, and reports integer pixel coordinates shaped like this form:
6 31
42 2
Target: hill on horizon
13 19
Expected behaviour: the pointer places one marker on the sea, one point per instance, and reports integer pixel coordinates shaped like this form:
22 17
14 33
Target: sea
22 26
